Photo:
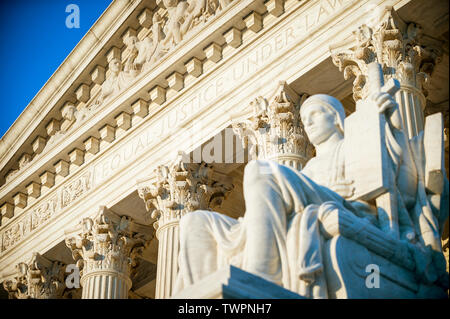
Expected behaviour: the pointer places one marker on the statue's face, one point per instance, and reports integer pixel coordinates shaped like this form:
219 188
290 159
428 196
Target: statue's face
132 41
319 123
114 65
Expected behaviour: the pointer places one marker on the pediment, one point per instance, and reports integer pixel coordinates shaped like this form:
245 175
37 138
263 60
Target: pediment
129 40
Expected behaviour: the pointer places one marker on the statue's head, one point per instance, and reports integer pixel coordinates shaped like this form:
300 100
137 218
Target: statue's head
68 112
322 116
115 65
131 40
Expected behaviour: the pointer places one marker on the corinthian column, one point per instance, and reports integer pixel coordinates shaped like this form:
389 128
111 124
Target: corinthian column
105 249
405 54
174 191
275 130
38 279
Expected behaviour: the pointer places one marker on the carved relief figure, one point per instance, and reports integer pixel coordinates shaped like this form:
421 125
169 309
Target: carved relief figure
281 234
173 29
130 66
117 81
150 49
195 10
182 16
72 115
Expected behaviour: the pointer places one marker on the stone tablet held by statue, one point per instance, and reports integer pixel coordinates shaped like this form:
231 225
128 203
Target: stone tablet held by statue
366 158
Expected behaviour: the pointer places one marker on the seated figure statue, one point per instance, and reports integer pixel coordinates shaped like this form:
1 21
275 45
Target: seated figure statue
117 81
280 236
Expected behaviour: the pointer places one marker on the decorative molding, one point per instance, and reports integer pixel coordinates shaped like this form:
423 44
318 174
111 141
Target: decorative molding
402 49
28 222
43 211
182 187
107 246
39 279
275 129
76 189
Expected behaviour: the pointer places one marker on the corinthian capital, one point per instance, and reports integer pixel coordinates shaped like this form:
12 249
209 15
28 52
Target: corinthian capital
275 129
182 187
38 279
402 49
108 242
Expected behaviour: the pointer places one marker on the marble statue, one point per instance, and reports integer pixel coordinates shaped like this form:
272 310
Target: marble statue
150 49
117 81
167 32
174 30
289 213
183 15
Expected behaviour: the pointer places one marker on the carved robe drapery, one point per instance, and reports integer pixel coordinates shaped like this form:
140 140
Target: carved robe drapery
283 195
116 83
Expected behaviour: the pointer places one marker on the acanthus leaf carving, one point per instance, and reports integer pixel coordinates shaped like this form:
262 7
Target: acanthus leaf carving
393 43
275 129
108 242
182 187
38 279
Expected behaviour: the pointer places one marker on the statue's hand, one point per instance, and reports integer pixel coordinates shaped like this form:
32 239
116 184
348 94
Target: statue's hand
385 101
344 188
388 106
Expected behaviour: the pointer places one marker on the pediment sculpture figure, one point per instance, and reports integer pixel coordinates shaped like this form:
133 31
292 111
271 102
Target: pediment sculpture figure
71 117
182 16
118 80
173 29
150 49
290 214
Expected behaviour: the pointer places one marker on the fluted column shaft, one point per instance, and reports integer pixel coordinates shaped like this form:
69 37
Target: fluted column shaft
105 285
167 270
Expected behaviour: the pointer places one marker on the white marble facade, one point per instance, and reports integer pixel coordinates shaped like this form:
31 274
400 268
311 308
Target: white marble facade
303 142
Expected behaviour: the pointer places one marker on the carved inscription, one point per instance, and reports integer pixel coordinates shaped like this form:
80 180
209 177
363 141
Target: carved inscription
43 212
29 222
76 189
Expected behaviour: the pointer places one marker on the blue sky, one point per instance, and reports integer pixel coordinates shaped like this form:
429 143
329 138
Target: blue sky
34 42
